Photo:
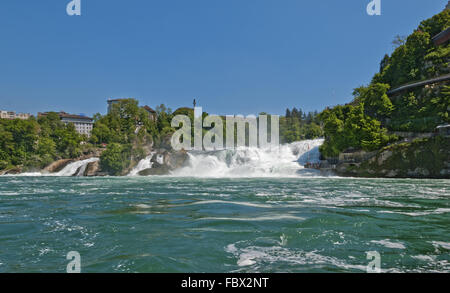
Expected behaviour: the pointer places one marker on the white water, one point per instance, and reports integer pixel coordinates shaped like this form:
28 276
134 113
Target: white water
142 165
287 161
160 159
70 169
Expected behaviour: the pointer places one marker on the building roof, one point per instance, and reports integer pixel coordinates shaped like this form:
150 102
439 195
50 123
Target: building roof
442 37
149 109
442 78
115 100
63 114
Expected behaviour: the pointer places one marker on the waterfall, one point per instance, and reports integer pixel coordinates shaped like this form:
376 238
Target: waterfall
160 159
81 170
142 165
72 168
287 161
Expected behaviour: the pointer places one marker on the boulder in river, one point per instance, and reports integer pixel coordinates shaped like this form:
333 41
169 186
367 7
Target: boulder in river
156 169
57 166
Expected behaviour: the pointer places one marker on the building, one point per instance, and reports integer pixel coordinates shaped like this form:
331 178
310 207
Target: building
12 115
442 38
83 124
152 115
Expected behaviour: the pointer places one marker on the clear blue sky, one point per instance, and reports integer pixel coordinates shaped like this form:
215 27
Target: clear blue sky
234 56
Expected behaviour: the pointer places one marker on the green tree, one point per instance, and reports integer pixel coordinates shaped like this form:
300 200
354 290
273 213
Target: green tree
114 159
377 103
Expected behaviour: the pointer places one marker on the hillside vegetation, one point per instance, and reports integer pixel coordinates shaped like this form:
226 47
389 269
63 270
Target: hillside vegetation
366 122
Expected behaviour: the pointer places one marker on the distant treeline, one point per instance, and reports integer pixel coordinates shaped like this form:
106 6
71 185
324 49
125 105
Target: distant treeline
126 132
298 125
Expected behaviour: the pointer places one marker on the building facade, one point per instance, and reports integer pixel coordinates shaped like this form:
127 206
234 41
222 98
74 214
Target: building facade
13 115
83 125
152 115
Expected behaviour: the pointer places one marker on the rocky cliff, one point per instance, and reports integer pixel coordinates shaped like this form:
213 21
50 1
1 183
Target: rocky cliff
421 158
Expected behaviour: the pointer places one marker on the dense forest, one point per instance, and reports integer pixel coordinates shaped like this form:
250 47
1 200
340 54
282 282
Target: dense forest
36 143
297 125
370 120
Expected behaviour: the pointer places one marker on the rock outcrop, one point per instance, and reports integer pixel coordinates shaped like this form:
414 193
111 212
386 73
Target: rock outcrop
421 158
93 169
156 169
171 160
57 166
12 171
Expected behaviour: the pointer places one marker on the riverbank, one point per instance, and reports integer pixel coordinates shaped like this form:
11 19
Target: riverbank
419 158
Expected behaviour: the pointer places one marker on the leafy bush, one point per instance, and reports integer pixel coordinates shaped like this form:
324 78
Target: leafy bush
115 159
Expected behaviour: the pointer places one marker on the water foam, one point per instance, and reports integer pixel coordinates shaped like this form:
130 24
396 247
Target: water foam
286 161
142 165
72 168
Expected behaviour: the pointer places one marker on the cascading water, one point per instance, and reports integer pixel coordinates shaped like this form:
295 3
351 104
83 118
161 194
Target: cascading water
142 165
72 168
287 161
160 159
69 170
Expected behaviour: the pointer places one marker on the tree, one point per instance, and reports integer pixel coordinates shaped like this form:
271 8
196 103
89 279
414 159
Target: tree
384 63
377 103
294 113
288 113
114 159
399 41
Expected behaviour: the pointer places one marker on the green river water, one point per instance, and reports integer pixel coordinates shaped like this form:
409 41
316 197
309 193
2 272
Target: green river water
169 224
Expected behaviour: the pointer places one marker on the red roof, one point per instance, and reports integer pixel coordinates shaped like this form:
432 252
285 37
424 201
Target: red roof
442 37
149 109
116 100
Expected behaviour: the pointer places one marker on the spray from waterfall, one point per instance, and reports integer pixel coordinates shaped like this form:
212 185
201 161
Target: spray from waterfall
287 161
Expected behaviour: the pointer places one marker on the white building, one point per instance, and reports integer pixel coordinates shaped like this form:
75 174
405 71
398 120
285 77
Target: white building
83 124
12 115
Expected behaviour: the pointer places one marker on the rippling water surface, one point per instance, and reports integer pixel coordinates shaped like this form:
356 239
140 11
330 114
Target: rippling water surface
163 224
